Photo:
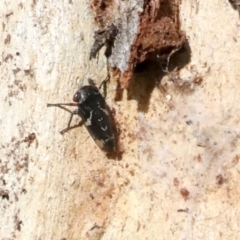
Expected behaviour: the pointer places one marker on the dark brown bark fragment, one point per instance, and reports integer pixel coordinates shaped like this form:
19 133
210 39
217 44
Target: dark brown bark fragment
158 33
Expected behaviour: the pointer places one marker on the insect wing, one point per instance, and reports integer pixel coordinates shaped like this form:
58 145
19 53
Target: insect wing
97 120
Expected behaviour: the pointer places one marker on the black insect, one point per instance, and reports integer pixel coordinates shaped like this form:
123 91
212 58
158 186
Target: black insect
95 116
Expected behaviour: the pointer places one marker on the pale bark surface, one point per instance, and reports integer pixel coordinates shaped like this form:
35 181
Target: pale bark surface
178 177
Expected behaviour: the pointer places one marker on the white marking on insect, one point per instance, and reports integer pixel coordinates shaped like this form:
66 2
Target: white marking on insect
105 111
104 129
109 139
89 120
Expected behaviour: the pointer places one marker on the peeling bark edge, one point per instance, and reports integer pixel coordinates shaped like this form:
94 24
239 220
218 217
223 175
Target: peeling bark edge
146 31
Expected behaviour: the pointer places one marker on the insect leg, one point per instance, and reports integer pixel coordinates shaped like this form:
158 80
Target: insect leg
92 83
60 105
69 122
103 83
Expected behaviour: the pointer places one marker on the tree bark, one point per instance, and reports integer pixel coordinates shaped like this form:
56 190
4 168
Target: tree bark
178 175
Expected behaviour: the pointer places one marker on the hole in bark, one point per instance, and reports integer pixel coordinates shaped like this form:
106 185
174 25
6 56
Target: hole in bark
149 73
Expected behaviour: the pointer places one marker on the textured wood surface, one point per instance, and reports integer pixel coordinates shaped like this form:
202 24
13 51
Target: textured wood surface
178 176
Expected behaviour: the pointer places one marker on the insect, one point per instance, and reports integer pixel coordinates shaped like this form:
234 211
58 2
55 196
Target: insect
94 113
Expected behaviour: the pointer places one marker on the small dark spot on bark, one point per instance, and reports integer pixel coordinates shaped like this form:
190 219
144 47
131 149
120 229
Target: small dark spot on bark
176 182
15 71
7 40
220 179
9 14
30 138
9 56
189 122
185 193
183 210
4 195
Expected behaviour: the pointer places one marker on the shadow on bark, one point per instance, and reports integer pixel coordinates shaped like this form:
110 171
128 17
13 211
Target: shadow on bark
149 73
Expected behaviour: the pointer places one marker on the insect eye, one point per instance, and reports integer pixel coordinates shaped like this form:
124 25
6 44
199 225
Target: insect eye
76 97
